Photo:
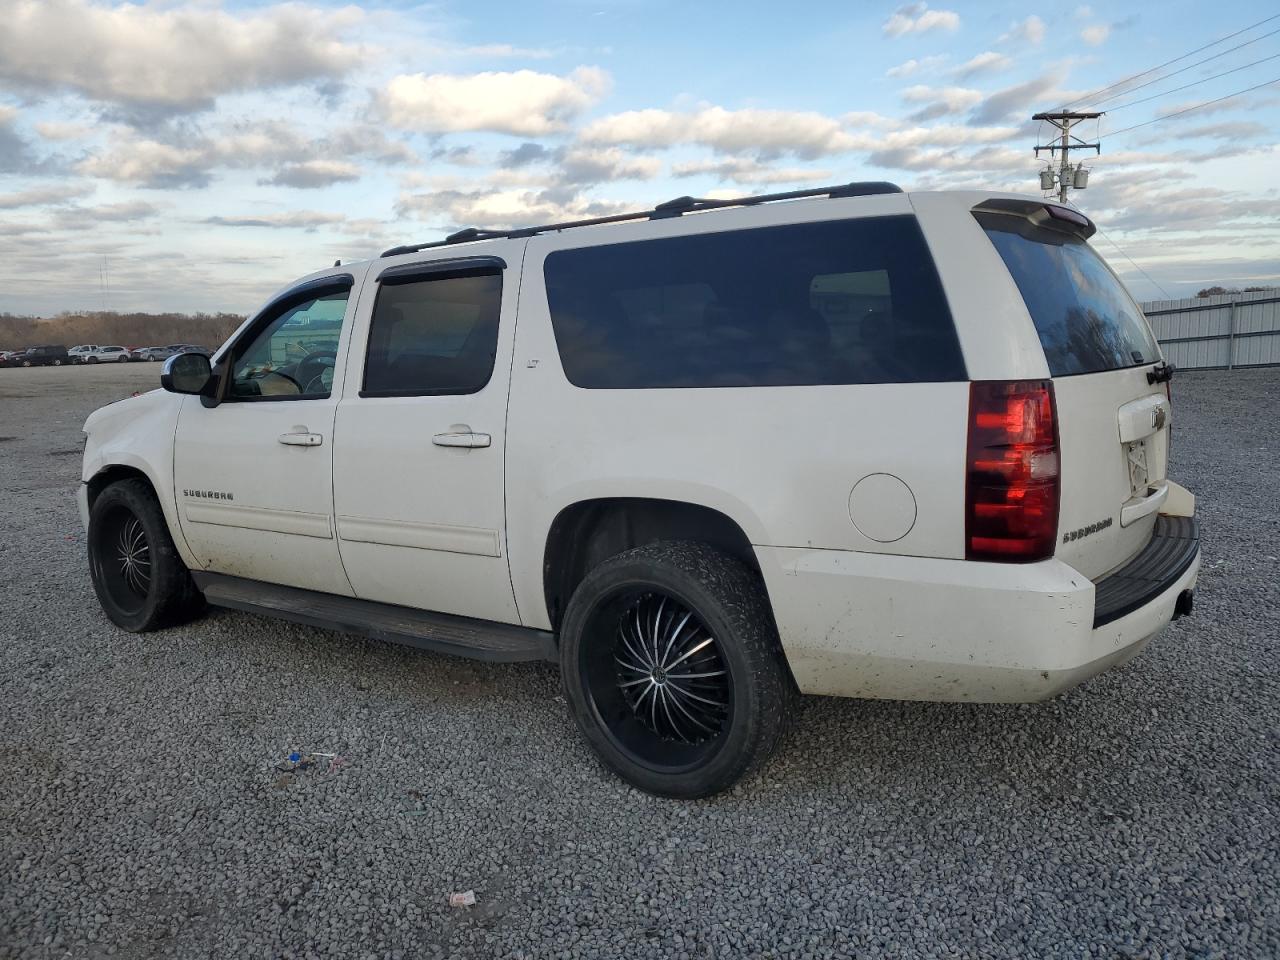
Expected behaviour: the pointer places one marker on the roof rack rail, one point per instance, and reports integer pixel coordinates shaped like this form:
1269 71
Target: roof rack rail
670 208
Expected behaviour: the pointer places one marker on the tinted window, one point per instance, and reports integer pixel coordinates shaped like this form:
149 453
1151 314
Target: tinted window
847 301
432 336
1086 319
293 355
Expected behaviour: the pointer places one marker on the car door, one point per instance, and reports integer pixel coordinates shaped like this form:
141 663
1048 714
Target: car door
253 466
419 448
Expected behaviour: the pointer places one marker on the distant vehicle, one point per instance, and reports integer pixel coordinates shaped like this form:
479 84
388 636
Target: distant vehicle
81 351
149 354
113 354
7 357
46 356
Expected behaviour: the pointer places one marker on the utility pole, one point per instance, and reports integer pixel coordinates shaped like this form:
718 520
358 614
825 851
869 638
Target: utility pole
1064 121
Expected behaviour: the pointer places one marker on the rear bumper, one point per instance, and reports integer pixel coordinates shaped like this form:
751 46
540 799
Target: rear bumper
916 628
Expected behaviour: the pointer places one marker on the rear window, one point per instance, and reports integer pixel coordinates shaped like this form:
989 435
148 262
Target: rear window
1086 319
839 302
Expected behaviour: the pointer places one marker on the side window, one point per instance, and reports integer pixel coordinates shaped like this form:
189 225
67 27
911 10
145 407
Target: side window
833 302
433 335
294 355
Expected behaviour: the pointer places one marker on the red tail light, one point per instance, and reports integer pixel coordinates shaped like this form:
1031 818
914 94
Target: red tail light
1011 495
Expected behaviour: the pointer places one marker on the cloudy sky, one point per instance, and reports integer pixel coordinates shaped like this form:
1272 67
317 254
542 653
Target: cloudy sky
199 154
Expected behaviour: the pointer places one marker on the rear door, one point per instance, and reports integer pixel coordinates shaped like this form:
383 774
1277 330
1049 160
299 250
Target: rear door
1113 422
421 434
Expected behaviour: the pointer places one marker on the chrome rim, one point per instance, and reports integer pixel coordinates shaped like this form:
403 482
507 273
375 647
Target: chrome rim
134 556
670 671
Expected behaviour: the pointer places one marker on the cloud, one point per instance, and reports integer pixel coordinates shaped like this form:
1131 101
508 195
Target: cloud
764 132
1237 130
167 59
52 130
1009 101
503 50
940 101
150 163
311 174
522 103
588 166
44 196
1030 31
912 66
1096 35
177 157
307 220
524 155
16 155
747 171
71 218
988 62
502 208
918 18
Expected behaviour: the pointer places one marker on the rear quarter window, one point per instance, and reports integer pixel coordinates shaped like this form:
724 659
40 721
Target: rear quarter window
837 302
1086 320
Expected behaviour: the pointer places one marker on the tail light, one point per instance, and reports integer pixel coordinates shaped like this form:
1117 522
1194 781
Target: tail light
1011 494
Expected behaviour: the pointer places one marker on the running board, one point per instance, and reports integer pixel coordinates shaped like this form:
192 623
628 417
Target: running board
439 632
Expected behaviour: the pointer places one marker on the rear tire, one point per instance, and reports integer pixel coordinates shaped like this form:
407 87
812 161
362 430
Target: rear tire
691 629
137 574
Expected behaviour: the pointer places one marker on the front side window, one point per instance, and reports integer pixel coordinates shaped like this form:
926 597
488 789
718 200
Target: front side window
836 302
434 335
294 355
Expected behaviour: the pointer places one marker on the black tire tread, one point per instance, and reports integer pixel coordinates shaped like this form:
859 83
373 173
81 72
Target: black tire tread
740 595
176 598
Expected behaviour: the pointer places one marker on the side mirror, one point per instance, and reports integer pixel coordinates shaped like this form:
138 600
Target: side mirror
187 373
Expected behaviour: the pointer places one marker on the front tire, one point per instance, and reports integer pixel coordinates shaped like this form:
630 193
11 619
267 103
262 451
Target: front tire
137 574
672 668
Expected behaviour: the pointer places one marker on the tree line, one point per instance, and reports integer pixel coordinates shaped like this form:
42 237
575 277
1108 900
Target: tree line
107 328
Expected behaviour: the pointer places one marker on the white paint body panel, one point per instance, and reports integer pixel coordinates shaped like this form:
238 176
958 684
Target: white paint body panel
889 610
420 524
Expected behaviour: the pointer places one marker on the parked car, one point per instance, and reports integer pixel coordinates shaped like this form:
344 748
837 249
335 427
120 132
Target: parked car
114 354
846 442
46 356
150 354
80 352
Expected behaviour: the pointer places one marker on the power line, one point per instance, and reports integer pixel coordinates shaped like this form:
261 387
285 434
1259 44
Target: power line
1135 266
1157 96
1125 93
1178 113
1120 83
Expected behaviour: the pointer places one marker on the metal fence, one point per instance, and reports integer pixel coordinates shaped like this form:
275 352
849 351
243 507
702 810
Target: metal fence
1225 331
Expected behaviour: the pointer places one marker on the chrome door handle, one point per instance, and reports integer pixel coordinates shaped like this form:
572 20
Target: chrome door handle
462 439
301 439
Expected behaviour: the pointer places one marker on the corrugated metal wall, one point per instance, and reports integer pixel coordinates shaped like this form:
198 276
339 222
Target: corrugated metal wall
1228 330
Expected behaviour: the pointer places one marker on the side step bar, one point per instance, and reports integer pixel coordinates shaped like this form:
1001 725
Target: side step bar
439 632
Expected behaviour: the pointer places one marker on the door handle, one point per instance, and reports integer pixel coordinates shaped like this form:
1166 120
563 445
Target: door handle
462 439
300 438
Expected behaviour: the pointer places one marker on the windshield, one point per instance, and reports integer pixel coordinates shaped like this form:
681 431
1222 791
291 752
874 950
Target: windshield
1086 319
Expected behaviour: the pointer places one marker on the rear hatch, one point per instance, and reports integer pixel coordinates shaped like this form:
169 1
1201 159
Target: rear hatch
1113 410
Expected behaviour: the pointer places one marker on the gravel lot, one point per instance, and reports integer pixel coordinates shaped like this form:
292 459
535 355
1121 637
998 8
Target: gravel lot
142 812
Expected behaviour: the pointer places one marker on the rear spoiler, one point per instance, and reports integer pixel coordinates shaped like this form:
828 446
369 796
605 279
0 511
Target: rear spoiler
1052 216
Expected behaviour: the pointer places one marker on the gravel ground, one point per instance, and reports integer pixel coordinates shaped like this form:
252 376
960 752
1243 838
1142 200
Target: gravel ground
142 812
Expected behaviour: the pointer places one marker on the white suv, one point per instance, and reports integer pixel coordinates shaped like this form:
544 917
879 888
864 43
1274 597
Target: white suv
94 354
850 441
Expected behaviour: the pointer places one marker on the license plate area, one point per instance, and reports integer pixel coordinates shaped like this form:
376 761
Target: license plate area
1139 469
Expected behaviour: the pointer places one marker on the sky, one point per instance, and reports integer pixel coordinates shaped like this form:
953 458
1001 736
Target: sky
192 155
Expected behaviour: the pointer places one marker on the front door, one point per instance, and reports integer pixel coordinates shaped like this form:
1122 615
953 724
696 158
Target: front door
253 474
420 435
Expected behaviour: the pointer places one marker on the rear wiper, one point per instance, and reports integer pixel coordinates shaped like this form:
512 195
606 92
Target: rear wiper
1162 373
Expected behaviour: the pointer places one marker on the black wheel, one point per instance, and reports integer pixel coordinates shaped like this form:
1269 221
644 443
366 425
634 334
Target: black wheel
140 580
26 363
57 363
91 360
672 667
